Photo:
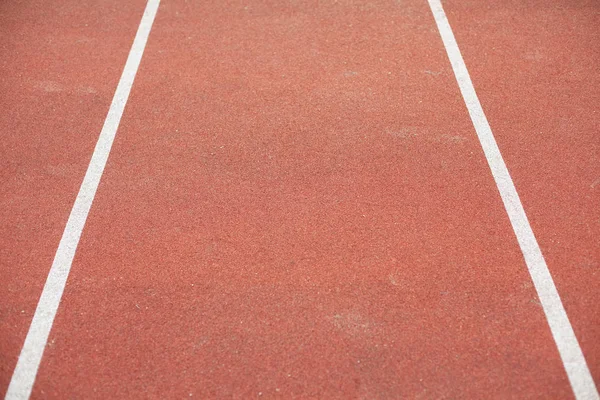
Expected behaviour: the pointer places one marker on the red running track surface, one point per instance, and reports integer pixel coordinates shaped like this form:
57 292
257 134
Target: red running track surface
296 204
60 63
538 83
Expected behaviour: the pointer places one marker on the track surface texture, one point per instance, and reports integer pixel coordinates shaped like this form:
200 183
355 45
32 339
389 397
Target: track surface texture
296 203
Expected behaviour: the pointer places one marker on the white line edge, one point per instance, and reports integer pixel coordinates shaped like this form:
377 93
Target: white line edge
570 352
24 374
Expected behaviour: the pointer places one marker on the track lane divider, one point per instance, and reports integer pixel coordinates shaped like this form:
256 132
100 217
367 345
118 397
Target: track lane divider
570 352
23 377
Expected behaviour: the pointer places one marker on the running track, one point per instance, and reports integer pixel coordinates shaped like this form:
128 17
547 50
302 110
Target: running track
297 202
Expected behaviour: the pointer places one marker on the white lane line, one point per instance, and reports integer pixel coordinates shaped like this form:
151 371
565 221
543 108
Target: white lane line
572 357
27 366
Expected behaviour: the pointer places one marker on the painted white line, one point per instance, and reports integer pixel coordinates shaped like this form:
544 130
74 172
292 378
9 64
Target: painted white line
27 366
562 331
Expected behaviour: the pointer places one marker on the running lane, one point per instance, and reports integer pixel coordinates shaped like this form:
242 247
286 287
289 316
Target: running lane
535 66
60 63
297 206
